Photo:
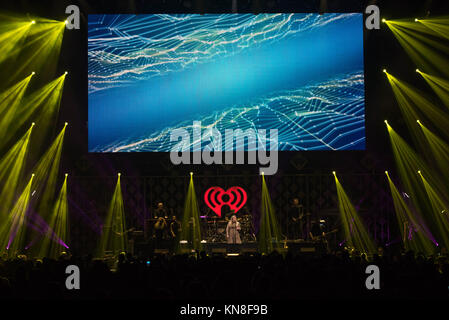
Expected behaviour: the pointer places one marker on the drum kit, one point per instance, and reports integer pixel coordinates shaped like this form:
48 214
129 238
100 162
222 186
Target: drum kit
215 228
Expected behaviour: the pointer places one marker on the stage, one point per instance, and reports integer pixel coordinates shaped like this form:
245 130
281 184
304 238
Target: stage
236 148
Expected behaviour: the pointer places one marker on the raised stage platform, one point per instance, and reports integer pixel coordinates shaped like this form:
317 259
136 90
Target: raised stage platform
295 247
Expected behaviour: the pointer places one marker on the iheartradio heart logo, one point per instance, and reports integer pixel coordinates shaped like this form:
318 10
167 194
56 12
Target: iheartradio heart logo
236 199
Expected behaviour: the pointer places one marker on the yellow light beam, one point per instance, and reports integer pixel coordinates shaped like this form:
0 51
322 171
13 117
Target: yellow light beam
190 227
46 99
439 206
357 237
41 50
12 233
439 85
414 233
114 237
12 37
47 170
439 149
12 172
269 231
13 95
57 235
425 52
414 105
438 25
408 163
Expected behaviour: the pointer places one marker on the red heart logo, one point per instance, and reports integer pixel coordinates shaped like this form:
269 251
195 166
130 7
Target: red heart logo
214 199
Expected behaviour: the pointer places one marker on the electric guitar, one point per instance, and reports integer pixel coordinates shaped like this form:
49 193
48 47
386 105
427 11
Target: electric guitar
322 236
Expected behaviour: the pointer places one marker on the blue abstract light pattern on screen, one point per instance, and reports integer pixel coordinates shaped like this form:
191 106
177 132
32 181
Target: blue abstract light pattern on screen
302 74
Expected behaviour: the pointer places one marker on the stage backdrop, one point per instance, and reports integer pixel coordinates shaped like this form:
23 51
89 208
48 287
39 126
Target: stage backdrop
302 74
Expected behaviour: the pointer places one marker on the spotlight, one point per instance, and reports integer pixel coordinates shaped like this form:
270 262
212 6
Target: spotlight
334 173
386 122
66 174
65 124
384 70
33 124
417 70
386 172
119 174
33 73
418 121
419 171
33 22
384 20
65 22
32 175
191 173
263 173
66 73
416 20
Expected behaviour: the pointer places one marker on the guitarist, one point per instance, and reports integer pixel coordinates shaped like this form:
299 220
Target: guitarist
317 234
297 215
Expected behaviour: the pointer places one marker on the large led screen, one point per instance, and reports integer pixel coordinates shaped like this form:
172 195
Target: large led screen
299 74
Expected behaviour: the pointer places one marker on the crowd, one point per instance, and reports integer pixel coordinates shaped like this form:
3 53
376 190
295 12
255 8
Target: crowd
339 275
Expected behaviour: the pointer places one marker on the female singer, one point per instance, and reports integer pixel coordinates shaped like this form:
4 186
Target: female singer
232 231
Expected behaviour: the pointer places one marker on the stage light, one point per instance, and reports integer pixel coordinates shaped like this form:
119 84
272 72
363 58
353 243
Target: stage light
32 175
65 124
438 202
386 172
66 174
12 231
384 70
65 22
262 173
33 124
417 70
190 227
47 173
114 237
269 230
408 161
33 73
356 234
44 103
406 218
384 20
418 40
334 173
41 50
191 173
414 104
386 122
119 174
57 234
436 26
33 22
